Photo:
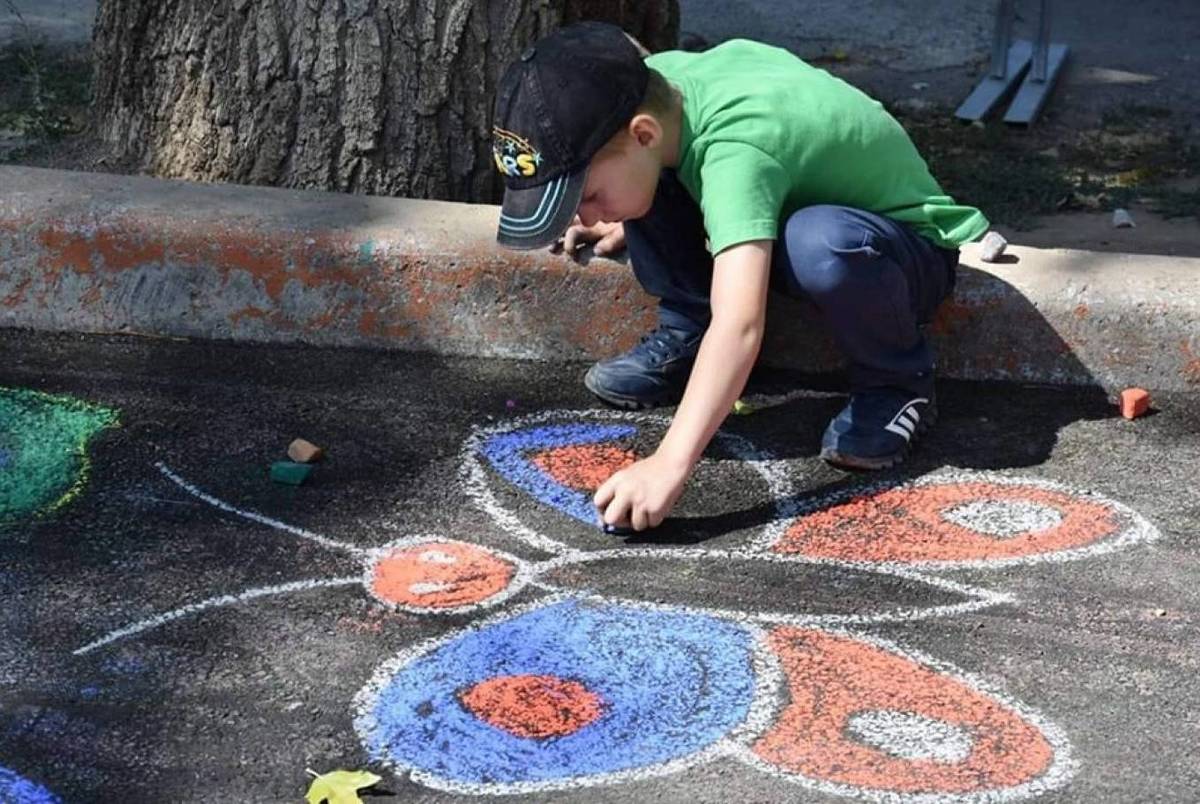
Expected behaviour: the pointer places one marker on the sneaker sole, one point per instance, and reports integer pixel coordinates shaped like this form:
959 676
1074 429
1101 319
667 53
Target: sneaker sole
631 402
874 464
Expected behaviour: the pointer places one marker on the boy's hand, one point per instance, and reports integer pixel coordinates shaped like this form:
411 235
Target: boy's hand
608 237
640 496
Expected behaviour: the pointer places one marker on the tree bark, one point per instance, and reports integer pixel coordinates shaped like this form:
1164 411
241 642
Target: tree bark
388 97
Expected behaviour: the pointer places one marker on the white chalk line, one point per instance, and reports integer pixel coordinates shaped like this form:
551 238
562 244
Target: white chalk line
365 723
1062 767
255 517
212 602
523 574
1138 529
979 598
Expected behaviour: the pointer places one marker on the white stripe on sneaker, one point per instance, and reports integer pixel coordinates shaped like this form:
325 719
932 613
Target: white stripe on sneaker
904 423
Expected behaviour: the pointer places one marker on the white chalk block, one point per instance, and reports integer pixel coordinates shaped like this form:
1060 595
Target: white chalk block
992 246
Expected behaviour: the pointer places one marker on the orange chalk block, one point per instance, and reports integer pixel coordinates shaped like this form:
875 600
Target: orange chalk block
1134 402
302 451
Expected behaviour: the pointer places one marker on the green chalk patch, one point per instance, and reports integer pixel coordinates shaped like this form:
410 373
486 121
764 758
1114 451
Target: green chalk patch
290 472
43 450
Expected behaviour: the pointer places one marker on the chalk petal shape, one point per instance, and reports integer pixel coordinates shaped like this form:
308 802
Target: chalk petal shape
956 522
667 684
556 464
866 719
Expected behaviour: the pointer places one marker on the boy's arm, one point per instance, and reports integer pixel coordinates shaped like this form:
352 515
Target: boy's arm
643 494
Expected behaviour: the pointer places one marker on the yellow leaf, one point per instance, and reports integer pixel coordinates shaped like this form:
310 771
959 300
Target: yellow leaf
742 409
339 787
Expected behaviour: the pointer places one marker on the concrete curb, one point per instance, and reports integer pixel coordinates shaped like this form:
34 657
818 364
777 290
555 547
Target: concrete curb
103 253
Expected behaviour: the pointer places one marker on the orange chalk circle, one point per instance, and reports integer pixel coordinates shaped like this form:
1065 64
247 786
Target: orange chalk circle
583 467
951 522
533 707
440 575
869 719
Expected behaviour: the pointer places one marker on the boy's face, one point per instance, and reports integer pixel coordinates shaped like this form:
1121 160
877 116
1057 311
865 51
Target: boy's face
623 175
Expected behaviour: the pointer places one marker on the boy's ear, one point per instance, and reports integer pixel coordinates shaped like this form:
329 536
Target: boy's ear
645 130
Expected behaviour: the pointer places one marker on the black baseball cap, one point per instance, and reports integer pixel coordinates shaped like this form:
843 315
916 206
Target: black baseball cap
557 105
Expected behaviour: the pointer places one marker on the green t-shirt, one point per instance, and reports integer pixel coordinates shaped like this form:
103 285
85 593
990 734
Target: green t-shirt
765 134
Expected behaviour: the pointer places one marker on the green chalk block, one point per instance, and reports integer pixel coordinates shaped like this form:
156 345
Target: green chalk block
290 472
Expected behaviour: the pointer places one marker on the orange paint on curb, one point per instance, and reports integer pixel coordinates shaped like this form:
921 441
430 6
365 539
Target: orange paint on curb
583 467
831 679
534 707
1134 402
440 575
66 249
908 524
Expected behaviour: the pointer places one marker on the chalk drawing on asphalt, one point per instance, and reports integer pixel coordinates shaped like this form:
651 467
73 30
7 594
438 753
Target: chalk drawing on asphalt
960 519
43 450
15 789
576 689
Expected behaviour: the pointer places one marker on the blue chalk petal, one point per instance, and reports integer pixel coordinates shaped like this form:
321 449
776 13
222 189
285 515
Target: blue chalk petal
671 684
508 453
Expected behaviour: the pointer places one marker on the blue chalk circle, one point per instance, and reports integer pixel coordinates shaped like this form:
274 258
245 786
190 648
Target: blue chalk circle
15 789
671 683
509 454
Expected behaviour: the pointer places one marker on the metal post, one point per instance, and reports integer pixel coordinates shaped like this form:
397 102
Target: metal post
1041 46
1002 35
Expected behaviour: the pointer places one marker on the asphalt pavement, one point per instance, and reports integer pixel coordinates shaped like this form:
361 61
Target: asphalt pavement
1012 614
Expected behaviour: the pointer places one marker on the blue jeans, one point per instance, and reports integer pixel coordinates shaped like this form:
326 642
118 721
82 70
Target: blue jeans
874 280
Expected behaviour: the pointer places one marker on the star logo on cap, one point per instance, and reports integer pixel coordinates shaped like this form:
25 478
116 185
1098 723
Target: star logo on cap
514 155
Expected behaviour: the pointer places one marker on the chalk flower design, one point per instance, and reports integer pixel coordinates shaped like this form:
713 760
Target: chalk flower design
582 685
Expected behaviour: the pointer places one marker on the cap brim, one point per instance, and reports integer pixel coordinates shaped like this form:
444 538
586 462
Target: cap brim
537 216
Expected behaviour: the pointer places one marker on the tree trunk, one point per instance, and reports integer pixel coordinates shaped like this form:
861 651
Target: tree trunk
388 97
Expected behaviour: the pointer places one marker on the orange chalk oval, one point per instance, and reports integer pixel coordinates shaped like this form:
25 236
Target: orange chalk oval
962 521
440 575
533 706
862 716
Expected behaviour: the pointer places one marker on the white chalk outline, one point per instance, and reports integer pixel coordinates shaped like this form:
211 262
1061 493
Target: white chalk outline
979 598
1138 530
1062 766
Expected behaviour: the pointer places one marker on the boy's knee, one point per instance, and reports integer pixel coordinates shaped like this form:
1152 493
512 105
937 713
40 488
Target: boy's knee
823 243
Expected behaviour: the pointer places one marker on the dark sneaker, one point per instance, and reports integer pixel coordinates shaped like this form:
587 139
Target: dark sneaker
876 428
654 372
